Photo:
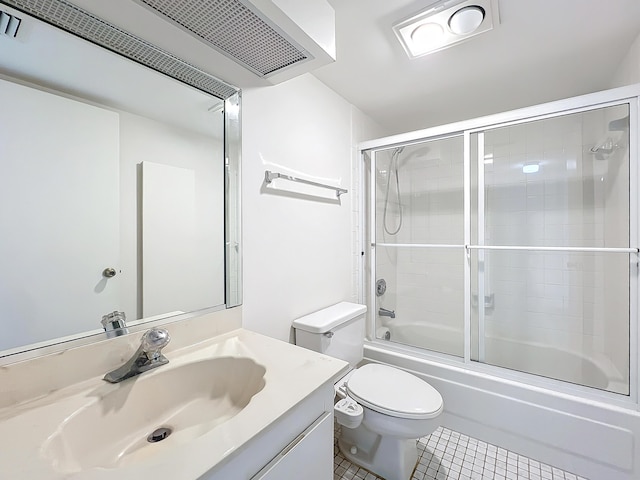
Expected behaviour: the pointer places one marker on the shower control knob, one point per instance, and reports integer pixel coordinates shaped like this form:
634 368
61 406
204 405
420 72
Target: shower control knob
109 272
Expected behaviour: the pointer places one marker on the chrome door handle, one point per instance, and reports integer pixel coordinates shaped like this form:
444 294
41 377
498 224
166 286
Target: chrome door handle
109 272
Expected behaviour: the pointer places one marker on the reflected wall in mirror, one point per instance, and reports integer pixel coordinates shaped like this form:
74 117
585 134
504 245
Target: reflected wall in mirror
114 191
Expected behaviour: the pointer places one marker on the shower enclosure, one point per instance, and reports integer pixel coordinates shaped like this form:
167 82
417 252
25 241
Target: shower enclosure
509 244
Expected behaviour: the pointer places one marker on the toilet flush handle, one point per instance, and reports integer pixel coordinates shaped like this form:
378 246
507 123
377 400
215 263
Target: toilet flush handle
328 334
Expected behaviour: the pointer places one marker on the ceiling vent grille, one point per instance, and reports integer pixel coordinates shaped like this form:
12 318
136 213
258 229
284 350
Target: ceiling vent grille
9 24
234 30
85 25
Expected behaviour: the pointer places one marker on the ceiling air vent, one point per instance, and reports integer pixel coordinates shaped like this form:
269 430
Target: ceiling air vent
235 30
9 24
69 17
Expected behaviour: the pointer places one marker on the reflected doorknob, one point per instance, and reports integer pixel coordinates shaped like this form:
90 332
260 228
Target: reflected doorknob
109 272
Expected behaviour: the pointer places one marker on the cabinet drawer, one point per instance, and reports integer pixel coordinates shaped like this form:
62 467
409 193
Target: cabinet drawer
308 456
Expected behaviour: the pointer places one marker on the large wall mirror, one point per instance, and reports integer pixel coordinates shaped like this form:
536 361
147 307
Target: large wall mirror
120 191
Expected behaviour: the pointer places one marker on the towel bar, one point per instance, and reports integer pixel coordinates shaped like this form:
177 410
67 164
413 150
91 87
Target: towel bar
269 176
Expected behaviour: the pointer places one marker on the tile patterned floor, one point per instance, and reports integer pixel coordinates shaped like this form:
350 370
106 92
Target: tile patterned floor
449 455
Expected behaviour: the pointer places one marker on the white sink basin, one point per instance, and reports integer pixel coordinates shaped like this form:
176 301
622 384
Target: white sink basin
112 429
222 396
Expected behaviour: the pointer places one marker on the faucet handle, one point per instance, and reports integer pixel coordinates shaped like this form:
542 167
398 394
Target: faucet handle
115 324
154 340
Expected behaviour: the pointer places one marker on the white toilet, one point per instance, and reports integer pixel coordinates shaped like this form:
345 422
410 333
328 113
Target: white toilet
383 410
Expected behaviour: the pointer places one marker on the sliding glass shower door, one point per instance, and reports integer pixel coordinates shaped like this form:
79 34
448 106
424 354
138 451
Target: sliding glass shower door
550 249
510 245
420 255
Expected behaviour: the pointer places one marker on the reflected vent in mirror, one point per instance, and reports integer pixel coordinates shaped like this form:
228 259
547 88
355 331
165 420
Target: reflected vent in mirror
235 30
67 16
9 24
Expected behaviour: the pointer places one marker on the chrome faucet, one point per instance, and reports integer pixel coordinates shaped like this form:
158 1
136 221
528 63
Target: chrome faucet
115 324
147 357
383 312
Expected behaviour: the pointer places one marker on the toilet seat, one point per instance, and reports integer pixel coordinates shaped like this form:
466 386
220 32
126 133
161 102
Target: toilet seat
394 392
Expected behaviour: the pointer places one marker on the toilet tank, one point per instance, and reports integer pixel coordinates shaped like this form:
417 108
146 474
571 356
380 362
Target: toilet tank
337 331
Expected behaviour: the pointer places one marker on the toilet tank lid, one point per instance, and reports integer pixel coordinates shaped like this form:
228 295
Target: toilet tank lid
324 320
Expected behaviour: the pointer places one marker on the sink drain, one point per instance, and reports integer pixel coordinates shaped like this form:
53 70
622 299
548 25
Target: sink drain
158 435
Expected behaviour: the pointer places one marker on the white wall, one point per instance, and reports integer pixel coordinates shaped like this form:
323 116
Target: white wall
628 71
299 248
144 139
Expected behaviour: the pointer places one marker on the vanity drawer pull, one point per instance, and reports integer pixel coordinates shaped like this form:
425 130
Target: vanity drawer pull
295 441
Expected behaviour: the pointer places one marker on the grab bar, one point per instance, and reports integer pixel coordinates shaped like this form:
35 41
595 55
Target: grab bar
269 176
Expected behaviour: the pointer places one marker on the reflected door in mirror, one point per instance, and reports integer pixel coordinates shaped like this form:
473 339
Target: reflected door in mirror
59 210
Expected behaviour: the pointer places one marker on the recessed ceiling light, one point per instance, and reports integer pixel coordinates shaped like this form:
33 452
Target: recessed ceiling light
444 24
530 168
466 20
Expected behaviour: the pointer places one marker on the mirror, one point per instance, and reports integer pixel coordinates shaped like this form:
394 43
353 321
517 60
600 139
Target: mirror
114 193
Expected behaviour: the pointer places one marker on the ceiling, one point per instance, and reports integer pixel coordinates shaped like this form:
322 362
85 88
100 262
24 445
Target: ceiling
542 50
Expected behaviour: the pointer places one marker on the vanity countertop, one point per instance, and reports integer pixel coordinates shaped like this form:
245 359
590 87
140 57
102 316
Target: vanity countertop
28 428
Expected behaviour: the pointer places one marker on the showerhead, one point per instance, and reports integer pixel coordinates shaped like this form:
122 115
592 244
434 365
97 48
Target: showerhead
607 148
412 152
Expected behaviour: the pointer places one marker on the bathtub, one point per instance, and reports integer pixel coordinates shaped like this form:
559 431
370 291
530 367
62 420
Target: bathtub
529 357
589 432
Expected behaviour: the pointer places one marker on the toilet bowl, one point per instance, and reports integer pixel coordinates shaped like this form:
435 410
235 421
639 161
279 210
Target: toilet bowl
383 410
397 408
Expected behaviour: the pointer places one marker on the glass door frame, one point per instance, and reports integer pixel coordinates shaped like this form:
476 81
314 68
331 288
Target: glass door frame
367 153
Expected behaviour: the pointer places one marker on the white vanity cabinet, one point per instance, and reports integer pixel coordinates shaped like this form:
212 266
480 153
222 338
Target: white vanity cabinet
306 456
298 445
